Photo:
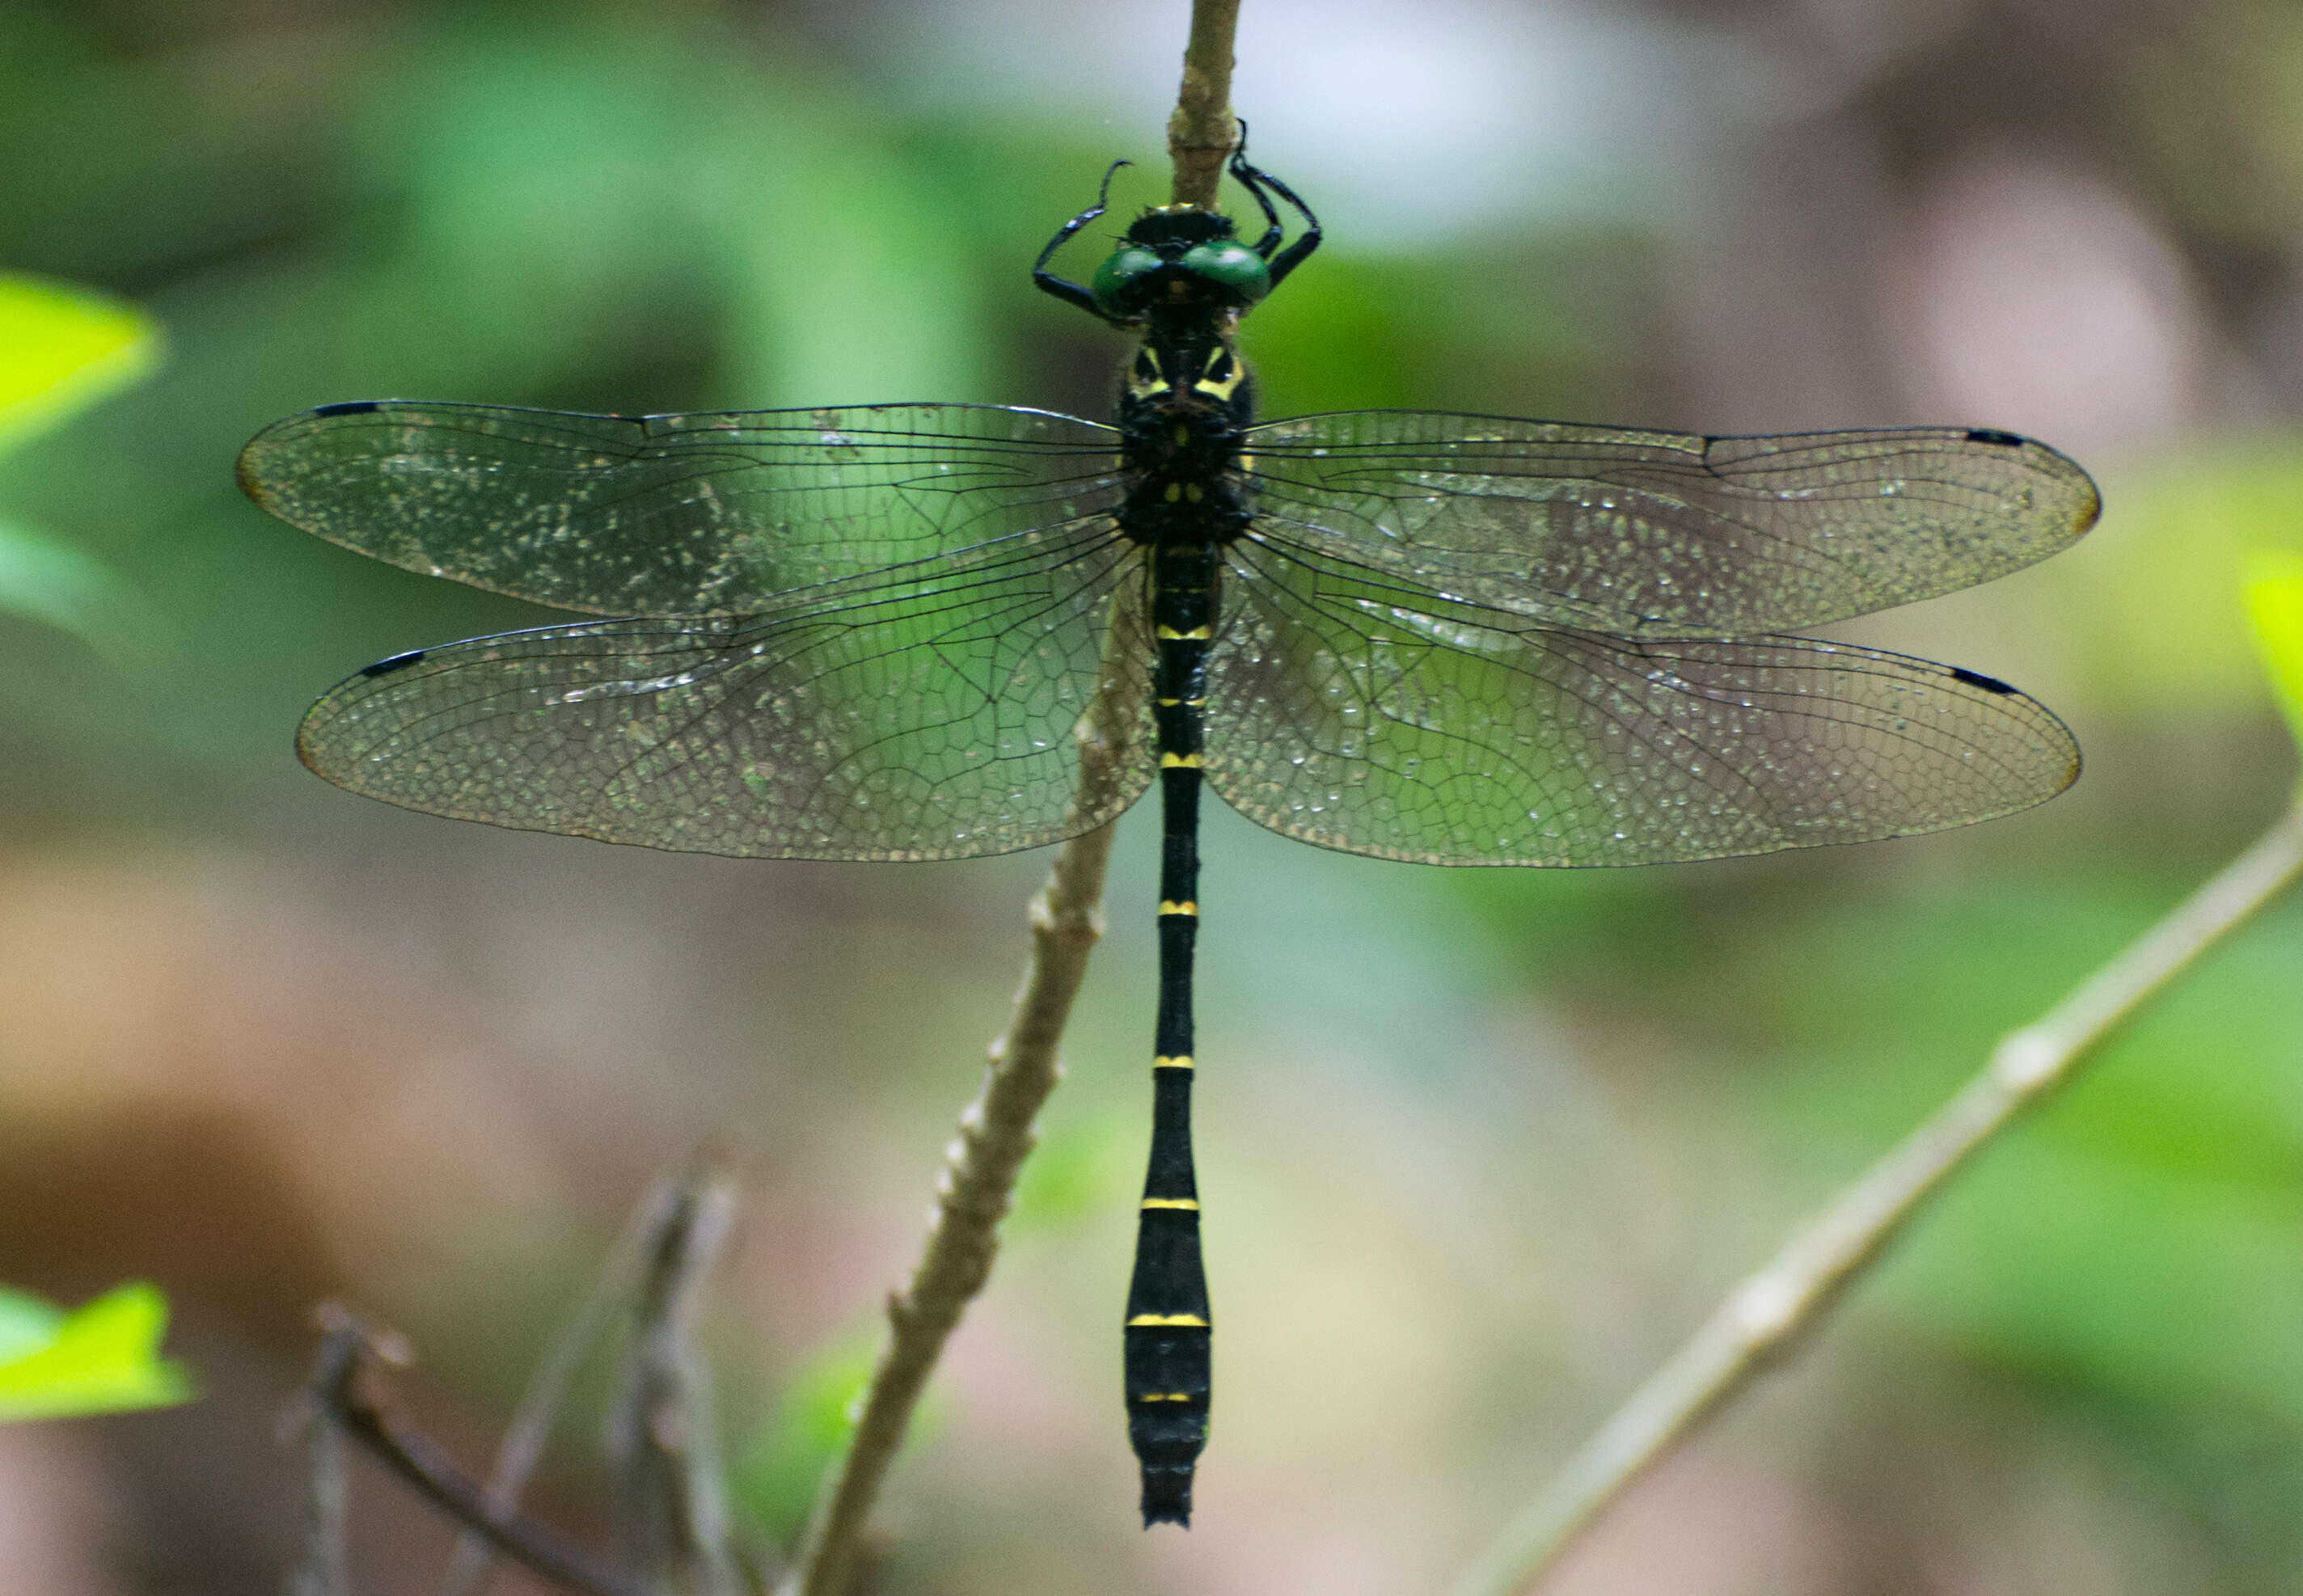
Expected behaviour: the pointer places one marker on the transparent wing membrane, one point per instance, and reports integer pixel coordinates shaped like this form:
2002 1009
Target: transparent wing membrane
1668 533
1346 710
874 632
929 715
718 514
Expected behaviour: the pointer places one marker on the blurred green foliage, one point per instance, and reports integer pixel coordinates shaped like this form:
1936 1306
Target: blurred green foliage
102 1357
2275 608
64 349
781 1469
2168 637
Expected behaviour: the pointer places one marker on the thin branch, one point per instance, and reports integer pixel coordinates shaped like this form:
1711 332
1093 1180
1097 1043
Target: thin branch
1762 1317
345 1400
524 1440
981 1166
326 1568
665 1436
1202 132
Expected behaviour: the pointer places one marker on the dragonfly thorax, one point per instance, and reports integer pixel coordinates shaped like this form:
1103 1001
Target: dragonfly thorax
1183 409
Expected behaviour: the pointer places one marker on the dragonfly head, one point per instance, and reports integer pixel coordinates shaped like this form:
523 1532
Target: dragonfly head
1179 259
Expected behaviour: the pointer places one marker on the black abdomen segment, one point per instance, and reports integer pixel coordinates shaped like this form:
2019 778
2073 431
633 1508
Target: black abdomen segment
1169 1325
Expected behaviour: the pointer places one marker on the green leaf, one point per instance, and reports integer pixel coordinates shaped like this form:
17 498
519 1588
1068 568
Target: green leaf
45 580
62 350
103 1358
2274 611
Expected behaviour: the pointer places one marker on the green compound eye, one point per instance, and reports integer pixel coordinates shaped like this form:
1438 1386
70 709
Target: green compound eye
1117 283
1234 266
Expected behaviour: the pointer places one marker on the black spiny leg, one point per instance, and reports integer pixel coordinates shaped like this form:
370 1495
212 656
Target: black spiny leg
1246 176
1064 288
1168 1328
1255 180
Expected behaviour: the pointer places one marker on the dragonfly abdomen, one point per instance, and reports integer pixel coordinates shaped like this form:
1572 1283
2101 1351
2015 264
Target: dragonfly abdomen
1168 1328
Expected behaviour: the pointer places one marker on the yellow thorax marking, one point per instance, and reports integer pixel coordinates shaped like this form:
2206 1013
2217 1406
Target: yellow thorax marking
1220 379
1169 906
1144 378
1175 1061
1165 1397
1190 762
1224 374
1191 1203
1188 1321
1198 633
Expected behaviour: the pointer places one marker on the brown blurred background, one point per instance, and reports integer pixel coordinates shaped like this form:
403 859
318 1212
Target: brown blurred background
1477 1147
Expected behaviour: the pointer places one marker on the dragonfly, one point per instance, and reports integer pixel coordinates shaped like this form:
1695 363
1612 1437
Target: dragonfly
889 631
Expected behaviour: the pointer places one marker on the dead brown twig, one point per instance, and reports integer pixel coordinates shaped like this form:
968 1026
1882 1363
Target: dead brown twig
343 1395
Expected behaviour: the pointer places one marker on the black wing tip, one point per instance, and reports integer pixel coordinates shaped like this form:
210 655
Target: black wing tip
398 662
2074 761
2089 508
1974 679
287 428
324 709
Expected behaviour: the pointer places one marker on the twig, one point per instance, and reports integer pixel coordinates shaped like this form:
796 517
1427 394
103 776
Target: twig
665 1436
1763 1316
981 1166
345 1400
995 1133
326 1568
531 1424
1203 131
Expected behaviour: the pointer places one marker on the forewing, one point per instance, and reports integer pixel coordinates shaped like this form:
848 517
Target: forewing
1668 533
1354 714
672 515
937 716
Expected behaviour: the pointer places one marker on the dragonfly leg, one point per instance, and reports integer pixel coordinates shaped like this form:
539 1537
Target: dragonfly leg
1064 288
1250 179
1255 180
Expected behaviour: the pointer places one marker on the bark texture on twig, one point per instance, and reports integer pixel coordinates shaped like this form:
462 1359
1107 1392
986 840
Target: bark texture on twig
673 1507
979 1168
1764 1315
327 1567
1202 132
